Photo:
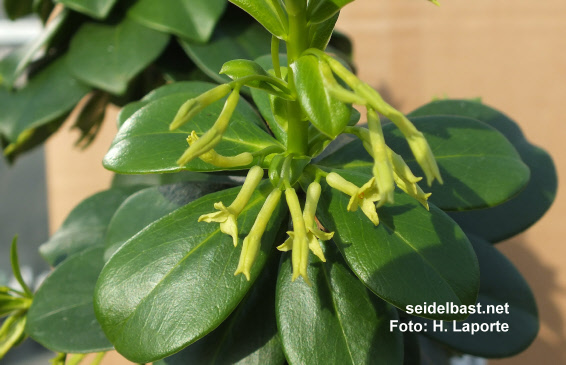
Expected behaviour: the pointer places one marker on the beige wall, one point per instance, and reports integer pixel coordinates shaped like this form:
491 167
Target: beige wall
511 53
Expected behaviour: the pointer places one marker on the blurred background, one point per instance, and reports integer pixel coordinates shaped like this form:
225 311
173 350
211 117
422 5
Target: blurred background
511 54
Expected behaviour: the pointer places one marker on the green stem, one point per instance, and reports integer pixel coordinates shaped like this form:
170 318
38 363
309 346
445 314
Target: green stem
297 43
275 56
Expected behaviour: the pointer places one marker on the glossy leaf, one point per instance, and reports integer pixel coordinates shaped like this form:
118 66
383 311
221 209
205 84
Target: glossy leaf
337 320
320 34
265 12
326 113
413 256
237 36
185 268
165 90
95 8
108 57
120 180
241 68
518 214
148 205
265 102
321 10
500 284
144 143
190 19
61 317
248 337
17 8
14 64
85 226
479 166
237 69
50 94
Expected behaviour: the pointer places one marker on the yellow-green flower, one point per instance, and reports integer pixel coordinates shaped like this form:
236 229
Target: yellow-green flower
228 216
213 136
382 169
313 233
252 242
214 158
364 197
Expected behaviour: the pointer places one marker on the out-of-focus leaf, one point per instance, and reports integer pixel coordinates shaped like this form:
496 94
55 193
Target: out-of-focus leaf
109 56
17 8
237 36
61 317
50 94
14 64
95 8
90 118
193 20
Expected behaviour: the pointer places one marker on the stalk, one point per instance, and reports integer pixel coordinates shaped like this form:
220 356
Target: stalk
297 43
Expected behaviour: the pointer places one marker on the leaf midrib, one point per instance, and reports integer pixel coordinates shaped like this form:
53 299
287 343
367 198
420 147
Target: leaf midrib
337 313
213 234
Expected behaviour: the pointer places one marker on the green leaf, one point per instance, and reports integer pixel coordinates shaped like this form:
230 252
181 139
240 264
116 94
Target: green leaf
128 110
265 102
501 284
32 138
120 180
183 267
237 69
337 320
90 118
329 115
321 10
413 256
190 19
85 226
144 144
17 8
320 34
50 94
61 317
518 214
109 56
249 336
147 206
267 14
237 36
15 63
165 90
95 8
241 68
479 166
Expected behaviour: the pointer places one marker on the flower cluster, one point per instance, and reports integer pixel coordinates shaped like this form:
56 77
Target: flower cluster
389 170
